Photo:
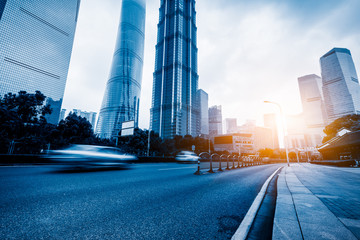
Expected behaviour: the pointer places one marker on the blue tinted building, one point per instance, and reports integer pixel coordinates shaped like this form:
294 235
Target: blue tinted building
174 109
36 40
122 95
341 87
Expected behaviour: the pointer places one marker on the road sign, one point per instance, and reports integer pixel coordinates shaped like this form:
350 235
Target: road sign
127 128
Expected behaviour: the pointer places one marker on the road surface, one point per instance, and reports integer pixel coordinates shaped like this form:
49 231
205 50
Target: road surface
148 201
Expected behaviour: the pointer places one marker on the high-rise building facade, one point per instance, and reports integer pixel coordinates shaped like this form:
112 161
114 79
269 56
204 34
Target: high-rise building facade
36 40
270 122
314 114
122 95
203 120
174 109
215 121
340 84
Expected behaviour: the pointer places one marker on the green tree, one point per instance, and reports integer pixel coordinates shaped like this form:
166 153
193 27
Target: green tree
22 120
350 122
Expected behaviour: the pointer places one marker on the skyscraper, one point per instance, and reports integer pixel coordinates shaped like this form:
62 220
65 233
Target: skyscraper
174 110
122 95
340 84
203 120
36 40
313 108
215 121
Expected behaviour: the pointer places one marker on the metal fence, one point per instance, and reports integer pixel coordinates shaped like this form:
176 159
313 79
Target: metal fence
215 163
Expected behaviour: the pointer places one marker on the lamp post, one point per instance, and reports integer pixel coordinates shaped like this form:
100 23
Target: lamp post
283 126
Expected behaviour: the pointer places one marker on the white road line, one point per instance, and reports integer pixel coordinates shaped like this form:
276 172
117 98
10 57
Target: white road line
166 169
244 228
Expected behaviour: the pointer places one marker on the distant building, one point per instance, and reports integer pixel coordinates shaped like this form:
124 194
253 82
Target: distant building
215 121
90 116
263 138
295 138
270 122
122 95
203 120
242 143
62 114
340 84
174 109
231 125
36 40
313 108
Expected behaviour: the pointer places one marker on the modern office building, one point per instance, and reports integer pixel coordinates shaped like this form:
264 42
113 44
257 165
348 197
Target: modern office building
313 108
215 121
340 84
174 109
36 40
270 122
62 114
231 125
122 94
203 120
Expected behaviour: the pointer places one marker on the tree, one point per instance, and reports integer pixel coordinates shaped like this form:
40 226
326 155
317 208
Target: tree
22 120
76 129
350 122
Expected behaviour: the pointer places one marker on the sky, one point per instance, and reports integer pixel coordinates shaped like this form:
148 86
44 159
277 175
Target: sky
249 51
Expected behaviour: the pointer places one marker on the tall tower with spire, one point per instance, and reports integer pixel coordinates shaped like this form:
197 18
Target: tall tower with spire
122 94
174 108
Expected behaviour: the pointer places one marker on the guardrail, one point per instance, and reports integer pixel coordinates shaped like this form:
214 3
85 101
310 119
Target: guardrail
215 163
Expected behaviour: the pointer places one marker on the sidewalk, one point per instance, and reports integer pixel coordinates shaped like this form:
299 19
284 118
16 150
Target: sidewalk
317 202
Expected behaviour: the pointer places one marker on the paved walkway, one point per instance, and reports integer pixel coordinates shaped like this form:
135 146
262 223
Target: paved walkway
317 202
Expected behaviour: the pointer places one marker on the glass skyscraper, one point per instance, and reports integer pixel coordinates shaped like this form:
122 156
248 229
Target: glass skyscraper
340 84
174 109
215 121
122 95
314 113
36 40
203 119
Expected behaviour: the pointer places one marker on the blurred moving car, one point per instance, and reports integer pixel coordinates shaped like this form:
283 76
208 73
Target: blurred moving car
90 156
187 157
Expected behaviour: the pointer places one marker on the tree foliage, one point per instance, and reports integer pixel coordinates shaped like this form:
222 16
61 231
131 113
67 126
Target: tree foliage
350 122
22 120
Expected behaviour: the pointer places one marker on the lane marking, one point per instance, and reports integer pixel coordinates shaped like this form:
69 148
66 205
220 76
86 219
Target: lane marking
166 169
244 228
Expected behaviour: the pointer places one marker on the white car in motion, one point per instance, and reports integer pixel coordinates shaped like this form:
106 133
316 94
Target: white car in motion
187 157
90 156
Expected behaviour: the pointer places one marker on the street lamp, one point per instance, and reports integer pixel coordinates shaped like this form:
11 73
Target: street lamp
283 126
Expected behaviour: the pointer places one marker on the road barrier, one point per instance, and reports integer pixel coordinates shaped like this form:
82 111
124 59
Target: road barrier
215 163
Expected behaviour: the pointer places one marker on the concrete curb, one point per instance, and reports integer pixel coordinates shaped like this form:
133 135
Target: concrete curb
244 228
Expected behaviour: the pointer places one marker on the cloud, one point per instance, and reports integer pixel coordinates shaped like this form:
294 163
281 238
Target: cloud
249 51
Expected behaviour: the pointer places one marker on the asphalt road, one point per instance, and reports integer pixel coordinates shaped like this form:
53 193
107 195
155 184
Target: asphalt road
148 201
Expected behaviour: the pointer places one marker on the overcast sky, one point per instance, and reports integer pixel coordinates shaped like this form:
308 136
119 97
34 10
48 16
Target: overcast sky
249 51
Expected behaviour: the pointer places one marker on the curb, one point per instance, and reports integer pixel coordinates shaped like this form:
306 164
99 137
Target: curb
244 228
